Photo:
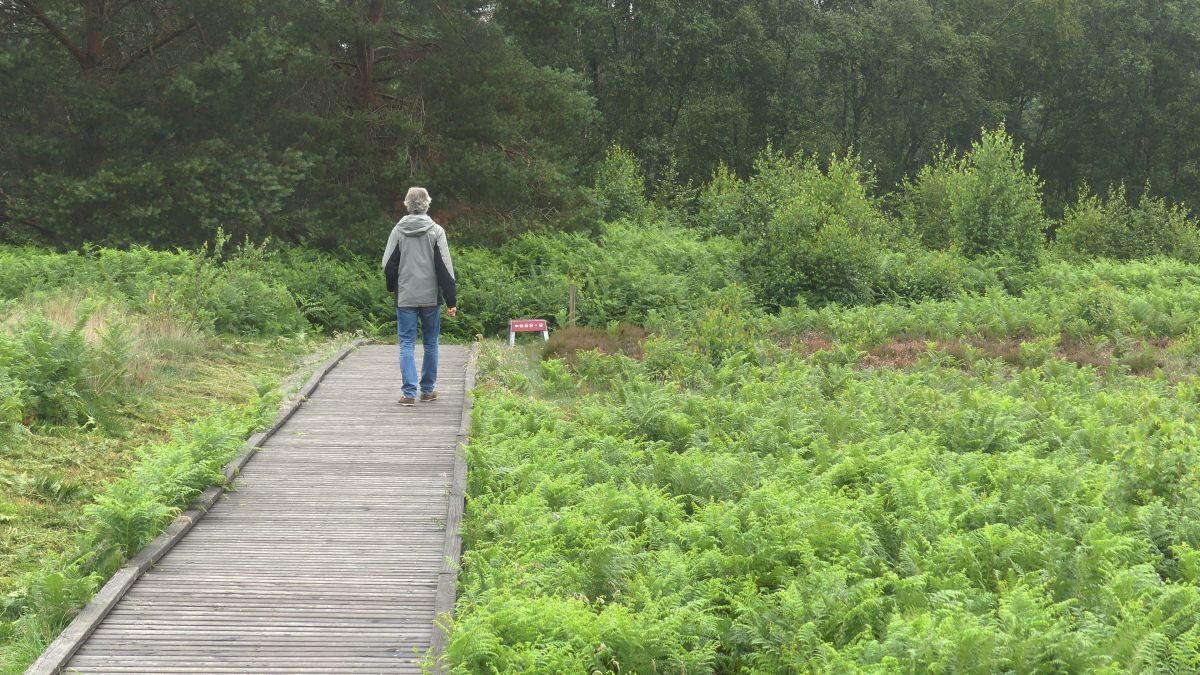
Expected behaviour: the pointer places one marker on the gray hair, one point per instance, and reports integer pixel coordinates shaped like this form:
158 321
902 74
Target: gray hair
417 200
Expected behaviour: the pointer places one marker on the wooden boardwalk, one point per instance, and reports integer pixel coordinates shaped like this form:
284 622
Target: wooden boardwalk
327 554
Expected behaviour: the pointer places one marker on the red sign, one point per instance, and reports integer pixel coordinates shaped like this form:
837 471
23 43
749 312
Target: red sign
526 325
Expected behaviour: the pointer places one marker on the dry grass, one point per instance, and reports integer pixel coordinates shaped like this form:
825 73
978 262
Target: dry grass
566 343
901 353
807 343
1143 357
152 339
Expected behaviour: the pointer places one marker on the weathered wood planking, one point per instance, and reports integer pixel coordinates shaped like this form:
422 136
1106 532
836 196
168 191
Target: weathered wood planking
327 555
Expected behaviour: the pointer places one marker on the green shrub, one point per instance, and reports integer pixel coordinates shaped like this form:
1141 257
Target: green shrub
840 267
343 292
50 367
919 275
735 208
620 186
925 202
1113 228
821 245
719 205
997 208
11 409
632 271
233 293
50 375
983 204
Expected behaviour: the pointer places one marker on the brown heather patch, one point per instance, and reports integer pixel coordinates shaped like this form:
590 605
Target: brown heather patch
1008 351
904 351
1085 354
566 343
900 353
807 343
630 338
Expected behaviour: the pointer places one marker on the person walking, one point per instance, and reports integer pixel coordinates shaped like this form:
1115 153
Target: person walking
418 270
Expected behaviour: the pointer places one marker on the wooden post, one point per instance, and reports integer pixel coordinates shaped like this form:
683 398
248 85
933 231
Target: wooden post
571 307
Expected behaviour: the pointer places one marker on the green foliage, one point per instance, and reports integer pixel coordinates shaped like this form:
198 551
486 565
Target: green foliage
925 202
812 235
51 376
620 186
1113 228
232 293
720 204
1142 301
631 272
982 204
727 505
920 275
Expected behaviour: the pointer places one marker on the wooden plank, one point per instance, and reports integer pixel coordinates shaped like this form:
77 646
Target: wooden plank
339 541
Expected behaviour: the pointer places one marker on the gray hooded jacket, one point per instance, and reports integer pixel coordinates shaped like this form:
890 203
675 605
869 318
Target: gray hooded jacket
416 264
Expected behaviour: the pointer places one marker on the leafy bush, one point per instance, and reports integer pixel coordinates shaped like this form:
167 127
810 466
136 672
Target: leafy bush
925 202
732 207
820 242
230 295
631 272
1113 228
10 405
341 292
1059 299
50 375
719 205
920 275
984 203
620 186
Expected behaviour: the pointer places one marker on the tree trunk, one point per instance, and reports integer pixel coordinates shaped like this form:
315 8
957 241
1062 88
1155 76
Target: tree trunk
93 35
364 60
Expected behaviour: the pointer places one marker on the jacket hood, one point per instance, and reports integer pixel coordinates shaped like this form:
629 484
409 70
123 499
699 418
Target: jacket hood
415 224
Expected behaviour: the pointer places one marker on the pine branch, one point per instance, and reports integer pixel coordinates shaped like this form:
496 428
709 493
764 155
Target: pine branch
157 44
55 31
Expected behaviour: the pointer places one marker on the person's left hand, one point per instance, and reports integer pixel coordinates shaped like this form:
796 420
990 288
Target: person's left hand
451 311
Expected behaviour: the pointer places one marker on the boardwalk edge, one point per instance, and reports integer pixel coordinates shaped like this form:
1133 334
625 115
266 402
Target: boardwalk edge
443 604
60 651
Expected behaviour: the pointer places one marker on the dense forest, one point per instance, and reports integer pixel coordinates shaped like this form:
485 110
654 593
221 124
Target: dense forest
882 351
160 121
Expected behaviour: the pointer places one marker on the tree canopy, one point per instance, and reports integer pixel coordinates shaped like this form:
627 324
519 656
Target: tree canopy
160 121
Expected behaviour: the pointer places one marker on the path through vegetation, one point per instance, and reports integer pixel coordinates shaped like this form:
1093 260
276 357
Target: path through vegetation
327 553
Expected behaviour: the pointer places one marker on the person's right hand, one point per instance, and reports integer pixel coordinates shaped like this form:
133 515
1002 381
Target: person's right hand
451 311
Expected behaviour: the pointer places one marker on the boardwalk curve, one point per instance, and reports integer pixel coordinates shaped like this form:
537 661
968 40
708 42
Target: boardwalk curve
333 552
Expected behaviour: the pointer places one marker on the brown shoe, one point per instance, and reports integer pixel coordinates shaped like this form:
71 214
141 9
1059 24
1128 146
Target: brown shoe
407 400
431 396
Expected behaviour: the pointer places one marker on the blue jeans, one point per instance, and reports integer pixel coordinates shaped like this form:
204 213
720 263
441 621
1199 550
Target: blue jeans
406 329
